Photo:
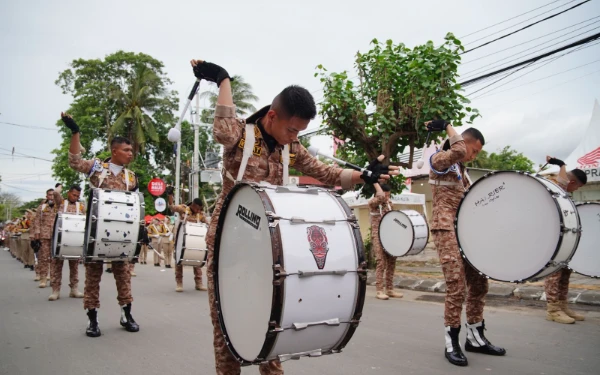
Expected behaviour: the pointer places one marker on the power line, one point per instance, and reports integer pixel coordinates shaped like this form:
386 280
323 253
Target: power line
20 188
512 18
541 37
28 126
526 27
533 59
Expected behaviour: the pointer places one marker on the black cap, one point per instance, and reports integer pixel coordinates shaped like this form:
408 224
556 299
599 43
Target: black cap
261 113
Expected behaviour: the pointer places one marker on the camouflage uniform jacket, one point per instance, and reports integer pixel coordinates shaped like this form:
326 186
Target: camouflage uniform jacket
449 188
126 180
186 214
264 165
379 205
71 207
43 221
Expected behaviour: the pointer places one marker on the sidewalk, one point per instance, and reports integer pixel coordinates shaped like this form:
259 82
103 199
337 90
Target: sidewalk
423 272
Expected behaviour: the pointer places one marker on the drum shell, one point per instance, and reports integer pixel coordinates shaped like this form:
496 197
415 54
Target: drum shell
68 236
586 259
290 292
413 228
567 231
117 213
190 244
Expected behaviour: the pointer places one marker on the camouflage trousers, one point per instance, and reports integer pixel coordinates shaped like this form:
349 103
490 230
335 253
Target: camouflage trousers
44 258
386 265
179 274
56 273
460 276
557 285
225 363
93 275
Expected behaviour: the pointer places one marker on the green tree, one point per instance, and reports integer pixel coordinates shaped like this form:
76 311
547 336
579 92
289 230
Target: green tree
506 159
12 201
242 98
399 89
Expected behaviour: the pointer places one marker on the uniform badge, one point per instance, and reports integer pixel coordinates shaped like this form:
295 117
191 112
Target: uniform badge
319 246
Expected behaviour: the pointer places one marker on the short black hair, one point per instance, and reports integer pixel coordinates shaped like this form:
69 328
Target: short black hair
579 175
386 187
49 190
197 201
295 101
75 187
119 141
475 134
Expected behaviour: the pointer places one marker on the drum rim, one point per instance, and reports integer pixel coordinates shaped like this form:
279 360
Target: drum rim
577 204
558 245
56 252
278 288
179 226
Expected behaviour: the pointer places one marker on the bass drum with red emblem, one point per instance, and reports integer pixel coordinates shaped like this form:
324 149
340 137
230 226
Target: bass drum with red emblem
290 275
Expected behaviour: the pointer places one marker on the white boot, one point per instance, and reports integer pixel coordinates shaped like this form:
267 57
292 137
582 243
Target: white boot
75 293
55 295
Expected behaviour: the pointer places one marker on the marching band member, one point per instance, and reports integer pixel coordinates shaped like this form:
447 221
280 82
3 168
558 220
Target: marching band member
73 206
156 232
106 175
43 225
449 180
557 284
168 242
192 214
275 129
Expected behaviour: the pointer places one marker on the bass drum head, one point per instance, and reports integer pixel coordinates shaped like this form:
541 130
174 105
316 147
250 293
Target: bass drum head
586 260
508 226
179 241
396 233
244 272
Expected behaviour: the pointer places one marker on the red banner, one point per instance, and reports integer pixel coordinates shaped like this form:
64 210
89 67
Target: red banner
156 187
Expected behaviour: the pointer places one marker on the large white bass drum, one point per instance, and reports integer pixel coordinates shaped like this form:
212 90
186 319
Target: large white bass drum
403 233
114 226
190 244
290 275
516 227
586 260
68 235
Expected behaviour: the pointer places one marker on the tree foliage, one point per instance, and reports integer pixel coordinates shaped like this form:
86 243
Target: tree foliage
506 159
399 89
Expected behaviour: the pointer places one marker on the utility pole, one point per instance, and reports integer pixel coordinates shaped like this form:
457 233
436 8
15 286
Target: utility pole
196 165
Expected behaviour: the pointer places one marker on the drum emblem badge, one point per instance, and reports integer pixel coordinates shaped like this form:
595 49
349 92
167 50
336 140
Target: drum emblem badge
319 246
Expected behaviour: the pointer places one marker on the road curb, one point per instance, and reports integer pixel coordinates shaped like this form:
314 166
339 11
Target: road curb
503 290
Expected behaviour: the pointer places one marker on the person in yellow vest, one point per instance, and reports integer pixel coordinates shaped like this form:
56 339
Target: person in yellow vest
156 232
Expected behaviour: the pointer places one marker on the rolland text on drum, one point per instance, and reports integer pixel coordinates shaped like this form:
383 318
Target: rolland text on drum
248 216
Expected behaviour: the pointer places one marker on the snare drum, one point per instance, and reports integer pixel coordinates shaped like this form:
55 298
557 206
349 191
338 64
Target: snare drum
114 226
190 244
290 275
403 233
68 235
586 259
516 227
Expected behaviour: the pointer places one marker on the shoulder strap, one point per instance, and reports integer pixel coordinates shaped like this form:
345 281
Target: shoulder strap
248 148
286 164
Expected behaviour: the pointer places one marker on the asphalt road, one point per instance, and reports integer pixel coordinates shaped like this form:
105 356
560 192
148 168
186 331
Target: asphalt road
395 337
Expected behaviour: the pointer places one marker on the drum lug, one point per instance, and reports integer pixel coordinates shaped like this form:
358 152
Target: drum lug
362 271
274 327
273 224
280 274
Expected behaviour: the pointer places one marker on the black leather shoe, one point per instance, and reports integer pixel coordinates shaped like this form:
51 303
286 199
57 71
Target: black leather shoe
478 343
93 330
156 265
455 355
109 270
127 320
168 266
25 266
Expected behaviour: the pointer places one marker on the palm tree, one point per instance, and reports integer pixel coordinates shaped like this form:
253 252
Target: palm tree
242 96
143 95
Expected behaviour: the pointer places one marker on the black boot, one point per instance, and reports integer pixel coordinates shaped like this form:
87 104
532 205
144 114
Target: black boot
93 330
478 343
453 351
109 270
127 320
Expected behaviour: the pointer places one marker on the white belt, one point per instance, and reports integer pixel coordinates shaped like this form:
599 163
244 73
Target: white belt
444 183
374 214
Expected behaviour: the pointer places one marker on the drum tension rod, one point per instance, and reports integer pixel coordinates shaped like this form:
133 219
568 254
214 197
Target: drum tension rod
329 322
312 353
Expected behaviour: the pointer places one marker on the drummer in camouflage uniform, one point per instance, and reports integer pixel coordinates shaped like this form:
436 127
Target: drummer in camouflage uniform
110 174
191 214
273 126
449 180
43 226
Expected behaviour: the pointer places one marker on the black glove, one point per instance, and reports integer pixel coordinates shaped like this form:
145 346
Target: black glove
555 161
35 245
437 125
211 72
377 169
170 190
68 120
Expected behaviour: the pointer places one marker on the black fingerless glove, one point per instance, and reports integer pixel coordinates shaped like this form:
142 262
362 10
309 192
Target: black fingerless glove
555 161
70 124
211 72
437 125
377 169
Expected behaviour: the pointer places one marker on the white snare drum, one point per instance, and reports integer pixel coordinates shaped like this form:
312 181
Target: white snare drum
114 226
586 259
516 227
68 235
403 233
190 244
289 271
